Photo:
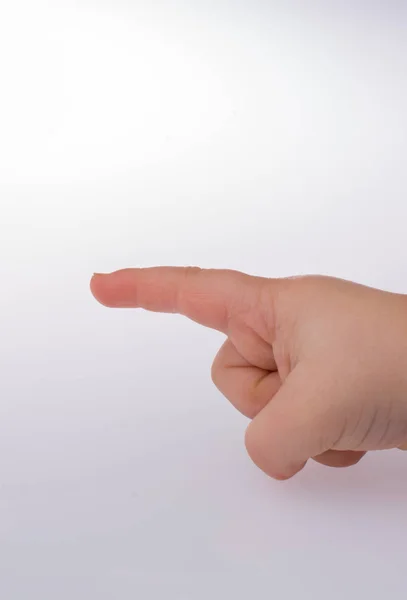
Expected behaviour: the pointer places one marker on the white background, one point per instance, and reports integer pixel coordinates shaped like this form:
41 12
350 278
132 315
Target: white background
269 137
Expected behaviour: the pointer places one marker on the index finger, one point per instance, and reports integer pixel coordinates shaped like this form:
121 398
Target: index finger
207 296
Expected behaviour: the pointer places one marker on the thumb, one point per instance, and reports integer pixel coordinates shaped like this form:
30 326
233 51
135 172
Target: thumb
208 296
296 425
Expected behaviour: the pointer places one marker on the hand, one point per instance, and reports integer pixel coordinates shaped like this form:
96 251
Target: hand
318 364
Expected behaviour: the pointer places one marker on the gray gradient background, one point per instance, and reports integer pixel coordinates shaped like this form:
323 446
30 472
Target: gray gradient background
264 136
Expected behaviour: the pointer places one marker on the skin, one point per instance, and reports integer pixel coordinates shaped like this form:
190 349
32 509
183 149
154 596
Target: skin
318 365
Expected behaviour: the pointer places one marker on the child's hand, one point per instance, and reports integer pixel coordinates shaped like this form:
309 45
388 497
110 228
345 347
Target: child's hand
319 364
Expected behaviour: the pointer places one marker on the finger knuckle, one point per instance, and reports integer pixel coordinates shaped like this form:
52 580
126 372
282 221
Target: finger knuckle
216 373
253 445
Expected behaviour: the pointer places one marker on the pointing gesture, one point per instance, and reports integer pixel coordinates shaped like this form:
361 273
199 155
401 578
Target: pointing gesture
319 365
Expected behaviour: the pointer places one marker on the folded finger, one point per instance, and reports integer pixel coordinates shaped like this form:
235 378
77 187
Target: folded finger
247 387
